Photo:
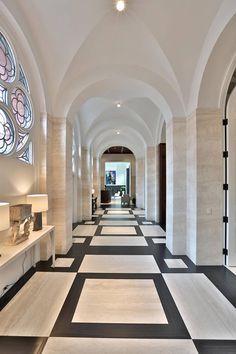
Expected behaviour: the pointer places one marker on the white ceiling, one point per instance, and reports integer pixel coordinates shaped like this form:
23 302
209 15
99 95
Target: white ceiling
151 58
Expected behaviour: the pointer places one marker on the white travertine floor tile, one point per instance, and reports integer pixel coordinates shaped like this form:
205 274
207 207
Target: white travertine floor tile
232 269
89 222
109 230
175 263
99 212
118 222
118 264
139 212
118 209
118 241
159 240
147 223
118 346
114 216
206 312
84 230
152 230
35 308
118 212
119 301
78 240
64 262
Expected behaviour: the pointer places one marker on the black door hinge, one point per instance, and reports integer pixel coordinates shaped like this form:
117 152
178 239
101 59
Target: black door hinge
225 186
225 219
225 121
225 154
225 251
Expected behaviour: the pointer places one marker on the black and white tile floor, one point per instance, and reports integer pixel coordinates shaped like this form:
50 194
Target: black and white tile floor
119 290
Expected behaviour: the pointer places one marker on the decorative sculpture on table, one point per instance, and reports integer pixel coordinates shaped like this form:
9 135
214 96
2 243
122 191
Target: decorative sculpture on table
20 217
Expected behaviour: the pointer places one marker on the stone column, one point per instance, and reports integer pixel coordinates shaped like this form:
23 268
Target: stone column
176 186
61 183
150 183
204 187
140 180
97 179
45 177
86 184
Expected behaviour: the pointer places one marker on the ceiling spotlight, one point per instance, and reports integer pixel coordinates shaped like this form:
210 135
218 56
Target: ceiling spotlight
120 5
118 105
118 132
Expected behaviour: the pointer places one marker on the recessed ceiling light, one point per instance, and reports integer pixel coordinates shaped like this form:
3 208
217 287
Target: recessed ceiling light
118 105
120 5
117 132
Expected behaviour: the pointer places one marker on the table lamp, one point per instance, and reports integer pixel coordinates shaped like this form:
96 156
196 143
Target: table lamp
39 204
93 191
4 216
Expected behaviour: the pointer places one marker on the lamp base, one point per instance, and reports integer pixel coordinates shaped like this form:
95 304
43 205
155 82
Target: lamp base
38 224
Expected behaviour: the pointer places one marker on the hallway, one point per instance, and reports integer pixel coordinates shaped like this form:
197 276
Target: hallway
117 287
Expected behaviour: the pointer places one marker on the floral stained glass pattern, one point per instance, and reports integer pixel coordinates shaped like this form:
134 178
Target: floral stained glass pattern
21 108
27 155
22 78
7 61
7 133
3 94
22 140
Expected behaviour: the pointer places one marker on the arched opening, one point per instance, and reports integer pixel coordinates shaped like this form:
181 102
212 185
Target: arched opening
118 177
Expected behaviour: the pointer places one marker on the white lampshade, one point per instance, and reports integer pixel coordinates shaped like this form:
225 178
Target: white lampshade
39 202
4 216
93 191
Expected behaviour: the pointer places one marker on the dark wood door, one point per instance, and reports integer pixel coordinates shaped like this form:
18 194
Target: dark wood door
162 181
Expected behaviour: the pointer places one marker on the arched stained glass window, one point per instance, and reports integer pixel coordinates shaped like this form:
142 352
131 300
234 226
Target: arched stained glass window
7 133
16 115
21 108
27 155
22 78
23 138
7 61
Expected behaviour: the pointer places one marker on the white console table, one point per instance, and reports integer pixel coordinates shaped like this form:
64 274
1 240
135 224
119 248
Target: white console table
9 253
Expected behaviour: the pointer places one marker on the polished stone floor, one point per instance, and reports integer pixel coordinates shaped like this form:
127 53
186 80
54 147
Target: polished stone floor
119 290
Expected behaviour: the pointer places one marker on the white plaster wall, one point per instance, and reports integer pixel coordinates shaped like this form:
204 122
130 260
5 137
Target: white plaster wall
140 183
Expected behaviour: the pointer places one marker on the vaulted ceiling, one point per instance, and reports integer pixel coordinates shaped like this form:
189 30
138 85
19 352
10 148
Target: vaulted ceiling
149 58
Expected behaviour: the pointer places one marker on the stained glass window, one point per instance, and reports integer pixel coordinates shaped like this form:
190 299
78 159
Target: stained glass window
22 140
27 155
3 94
21 108
7 133
16 116
22 78
7 61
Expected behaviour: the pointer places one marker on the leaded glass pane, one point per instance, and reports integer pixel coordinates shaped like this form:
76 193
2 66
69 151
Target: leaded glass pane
3 94
22 78
21 108
22 140
7 61
7 134
27 155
